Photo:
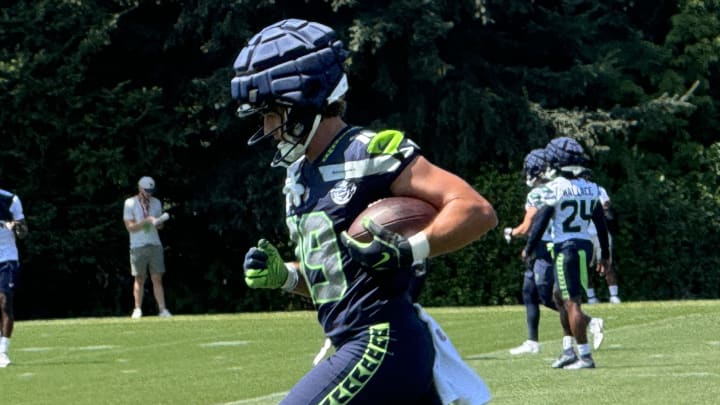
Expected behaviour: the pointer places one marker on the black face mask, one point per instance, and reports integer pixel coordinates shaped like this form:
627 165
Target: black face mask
299 123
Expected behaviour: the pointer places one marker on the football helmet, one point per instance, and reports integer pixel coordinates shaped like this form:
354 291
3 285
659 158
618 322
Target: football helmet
534 166
293 64
566 155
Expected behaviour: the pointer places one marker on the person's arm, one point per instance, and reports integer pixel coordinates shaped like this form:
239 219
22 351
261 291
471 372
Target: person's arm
301 288
463 214
19 227
156 219
265 268
18 224
524 227
131 224
598 219
137 226
539 224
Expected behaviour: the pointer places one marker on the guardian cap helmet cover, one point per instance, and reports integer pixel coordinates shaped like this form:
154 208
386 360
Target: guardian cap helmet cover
534 166
565 154
295 64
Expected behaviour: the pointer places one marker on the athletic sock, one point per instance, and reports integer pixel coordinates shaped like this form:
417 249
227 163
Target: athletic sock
4 344
568 342
584 349
613 290
590 293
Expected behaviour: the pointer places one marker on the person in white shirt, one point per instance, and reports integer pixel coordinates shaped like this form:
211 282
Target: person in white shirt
143 218
12 226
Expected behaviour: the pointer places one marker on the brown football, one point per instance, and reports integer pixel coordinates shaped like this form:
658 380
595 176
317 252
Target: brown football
403 215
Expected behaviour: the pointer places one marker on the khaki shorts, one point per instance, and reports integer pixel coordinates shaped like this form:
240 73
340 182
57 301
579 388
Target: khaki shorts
148 258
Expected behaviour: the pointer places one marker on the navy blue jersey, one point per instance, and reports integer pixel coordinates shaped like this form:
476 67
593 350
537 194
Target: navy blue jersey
323 198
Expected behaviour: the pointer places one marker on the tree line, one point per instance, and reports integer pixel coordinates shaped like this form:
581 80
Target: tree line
96 94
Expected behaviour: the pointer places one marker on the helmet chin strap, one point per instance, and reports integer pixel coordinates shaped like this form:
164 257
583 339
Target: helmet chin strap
289 152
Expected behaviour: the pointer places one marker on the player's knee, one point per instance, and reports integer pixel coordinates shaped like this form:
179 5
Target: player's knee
573 301
546 297
6 307
529 292
529 298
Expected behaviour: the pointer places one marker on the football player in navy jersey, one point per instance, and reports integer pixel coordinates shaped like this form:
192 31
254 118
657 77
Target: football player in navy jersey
292 73
572 203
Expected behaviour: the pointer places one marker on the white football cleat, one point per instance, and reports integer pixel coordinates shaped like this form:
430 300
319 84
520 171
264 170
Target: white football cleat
593 301
614 299
165 314
136 313
4 360
527 347
597 330
583 362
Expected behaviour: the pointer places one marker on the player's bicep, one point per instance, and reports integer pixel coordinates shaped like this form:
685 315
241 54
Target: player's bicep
420 179
463 214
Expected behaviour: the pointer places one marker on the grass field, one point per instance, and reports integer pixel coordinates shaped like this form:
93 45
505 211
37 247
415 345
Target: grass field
654 353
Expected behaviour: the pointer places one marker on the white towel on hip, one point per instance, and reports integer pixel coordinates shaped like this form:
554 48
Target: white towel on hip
455 381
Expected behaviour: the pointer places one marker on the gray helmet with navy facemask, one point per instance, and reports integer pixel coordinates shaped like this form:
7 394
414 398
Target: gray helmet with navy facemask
295 64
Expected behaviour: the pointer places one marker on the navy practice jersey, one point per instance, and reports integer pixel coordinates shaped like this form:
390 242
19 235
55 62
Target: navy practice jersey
323 198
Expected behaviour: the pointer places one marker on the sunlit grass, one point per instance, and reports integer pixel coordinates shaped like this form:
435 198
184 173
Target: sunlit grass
654 353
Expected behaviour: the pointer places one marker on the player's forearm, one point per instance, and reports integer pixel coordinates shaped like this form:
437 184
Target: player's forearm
598 219
296 280
539 223
460 222
302 288
524 227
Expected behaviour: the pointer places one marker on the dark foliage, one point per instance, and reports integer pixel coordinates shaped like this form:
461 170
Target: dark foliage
96 94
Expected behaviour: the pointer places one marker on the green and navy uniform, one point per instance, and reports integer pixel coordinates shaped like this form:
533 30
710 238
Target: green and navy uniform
382 347
571 204
539 278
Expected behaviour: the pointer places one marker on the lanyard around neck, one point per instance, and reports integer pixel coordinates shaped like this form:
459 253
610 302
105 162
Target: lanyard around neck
144 205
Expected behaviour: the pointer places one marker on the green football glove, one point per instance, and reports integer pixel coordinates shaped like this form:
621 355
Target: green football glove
386 251
264 268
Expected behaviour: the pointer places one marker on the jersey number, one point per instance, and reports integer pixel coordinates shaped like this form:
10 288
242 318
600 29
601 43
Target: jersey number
318 250
581 208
